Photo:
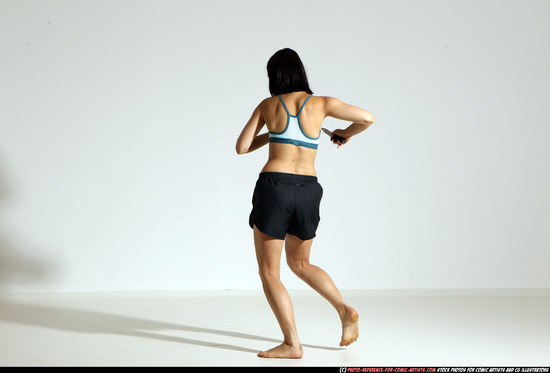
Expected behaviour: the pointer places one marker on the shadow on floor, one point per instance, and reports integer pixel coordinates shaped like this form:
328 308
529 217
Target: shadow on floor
21 264
88 322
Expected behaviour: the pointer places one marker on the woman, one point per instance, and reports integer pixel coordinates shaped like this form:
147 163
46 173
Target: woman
287 195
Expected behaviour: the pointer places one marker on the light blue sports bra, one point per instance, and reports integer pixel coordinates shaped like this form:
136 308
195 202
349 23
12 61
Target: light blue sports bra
293 132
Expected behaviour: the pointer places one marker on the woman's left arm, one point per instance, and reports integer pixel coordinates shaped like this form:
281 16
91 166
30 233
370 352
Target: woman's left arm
249 140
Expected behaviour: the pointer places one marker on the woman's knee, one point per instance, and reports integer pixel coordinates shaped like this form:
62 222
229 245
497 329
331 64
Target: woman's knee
297 265
269 275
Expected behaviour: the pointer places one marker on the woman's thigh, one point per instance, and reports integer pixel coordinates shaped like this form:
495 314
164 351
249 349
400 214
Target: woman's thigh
297 250
268 253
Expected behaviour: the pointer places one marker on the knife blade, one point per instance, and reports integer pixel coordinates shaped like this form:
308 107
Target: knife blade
334 137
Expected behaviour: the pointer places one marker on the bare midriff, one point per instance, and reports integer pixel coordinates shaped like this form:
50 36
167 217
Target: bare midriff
291 159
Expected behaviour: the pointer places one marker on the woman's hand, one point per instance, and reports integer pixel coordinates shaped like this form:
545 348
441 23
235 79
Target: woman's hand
342 134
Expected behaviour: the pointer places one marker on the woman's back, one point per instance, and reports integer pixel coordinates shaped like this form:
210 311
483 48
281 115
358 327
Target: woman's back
277 111
298 109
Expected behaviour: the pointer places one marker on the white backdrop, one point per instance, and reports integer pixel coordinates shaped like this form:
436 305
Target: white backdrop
118 121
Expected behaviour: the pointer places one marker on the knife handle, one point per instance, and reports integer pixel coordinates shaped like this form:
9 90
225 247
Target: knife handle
338 138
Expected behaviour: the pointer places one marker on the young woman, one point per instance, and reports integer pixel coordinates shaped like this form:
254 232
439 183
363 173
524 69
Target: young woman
287 195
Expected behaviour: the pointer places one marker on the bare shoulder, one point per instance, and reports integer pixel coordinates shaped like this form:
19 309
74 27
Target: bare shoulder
327 104
336 108
326 101
267 100
267 103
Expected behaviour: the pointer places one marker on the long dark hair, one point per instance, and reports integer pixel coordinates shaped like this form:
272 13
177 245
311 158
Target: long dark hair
286 73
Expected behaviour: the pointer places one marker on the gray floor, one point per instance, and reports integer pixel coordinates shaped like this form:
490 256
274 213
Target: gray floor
227 328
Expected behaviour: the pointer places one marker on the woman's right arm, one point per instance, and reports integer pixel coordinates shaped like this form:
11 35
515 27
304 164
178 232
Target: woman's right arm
361 119
249 140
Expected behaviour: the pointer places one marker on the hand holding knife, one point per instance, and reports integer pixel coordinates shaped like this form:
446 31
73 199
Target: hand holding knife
334 137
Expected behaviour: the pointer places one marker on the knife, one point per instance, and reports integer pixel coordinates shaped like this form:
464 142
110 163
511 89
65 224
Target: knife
334 137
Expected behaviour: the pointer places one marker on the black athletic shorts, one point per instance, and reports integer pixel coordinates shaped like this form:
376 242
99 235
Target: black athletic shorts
286 203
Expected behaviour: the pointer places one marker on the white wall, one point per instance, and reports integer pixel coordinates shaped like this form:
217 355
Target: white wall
118 121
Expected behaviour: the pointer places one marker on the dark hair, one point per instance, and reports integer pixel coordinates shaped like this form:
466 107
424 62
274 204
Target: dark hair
286 73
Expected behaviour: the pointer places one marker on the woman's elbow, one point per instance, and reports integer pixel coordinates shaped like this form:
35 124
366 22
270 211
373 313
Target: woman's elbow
368 120
240 149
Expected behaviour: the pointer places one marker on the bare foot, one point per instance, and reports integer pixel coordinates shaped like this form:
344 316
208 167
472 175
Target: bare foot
350 326
283 351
